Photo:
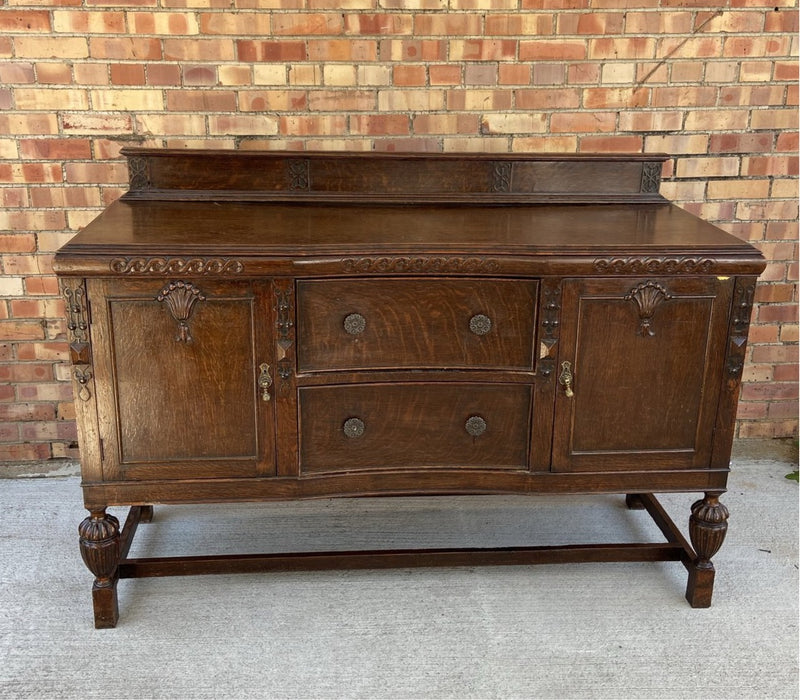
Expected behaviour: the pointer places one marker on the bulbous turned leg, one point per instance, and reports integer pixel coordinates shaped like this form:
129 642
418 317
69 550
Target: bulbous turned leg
100 549
707 527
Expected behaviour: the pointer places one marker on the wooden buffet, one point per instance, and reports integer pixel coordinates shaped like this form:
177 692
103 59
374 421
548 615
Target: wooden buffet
255 326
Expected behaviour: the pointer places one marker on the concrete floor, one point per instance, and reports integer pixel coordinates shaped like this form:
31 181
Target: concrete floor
570 631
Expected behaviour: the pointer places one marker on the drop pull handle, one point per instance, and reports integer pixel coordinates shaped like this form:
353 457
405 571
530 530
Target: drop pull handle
565 379
264 381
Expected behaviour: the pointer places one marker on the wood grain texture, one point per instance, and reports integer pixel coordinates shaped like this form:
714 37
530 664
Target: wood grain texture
409 426
415 323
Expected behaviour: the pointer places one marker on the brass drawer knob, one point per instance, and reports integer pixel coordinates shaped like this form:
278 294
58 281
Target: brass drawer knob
480 324
355 324
475 426
354 427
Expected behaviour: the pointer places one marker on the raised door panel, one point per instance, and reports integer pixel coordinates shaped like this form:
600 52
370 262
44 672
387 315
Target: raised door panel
178 364
646 360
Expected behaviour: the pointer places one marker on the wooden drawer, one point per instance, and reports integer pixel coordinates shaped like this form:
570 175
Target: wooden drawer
402 426
415 323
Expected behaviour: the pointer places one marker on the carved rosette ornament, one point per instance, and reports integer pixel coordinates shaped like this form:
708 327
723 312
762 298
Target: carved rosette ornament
420 264
647 296
707 527
180 298
635 265
176 266
99 545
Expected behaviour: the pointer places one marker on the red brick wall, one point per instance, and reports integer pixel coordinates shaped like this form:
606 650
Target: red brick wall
712 83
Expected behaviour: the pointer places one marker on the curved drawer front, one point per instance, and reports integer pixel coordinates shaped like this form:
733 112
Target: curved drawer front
401 426
410 323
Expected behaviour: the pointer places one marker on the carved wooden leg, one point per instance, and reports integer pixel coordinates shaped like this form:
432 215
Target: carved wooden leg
99 544
634 501
707 527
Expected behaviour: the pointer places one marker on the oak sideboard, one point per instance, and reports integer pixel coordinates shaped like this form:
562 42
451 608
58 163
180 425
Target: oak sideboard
259 326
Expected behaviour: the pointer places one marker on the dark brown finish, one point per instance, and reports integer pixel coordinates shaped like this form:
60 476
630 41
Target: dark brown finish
415 323
408 426
268 326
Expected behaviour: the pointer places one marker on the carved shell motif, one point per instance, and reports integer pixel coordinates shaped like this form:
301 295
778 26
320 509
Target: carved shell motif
180 298
647 296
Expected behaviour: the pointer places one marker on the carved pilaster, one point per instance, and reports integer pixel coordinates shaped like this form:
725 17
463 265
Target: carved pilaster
740 324
548 341
284 307
651 177
501 176
77 307
297 173
99 542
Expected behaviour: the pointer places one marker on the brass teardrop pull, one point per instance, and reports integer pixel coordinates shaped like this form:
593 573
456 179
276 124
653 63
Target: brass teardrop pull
264 381
566 378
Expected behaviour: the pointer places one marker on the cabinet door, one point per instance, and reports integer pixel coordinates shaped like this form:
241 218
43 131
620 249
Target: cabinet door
646 359
177 366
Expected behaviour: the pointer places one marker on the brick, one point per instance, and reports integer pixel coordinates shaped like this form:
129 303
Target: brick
611 144
696 96
481 100
707 167
482 50
127 100
527 24
18 73
374 75
34 21
550 50
583 73
305 24
235 74
610 98
163 74
769 165
513 74
338 100
738 189
127 74
446 124
27 412
269 74
62 47
96 172
199 75
201 50
201 100
383 24
413 50
741 143
242 124
86 22
250 51
545 144
650 121
53 73
583 122
410 100
84 124
342 50
240 23
17 243
548 98
340 74
664 22
445 74
513 123
687 72
55 149
24 452
722 71
774 119
302 125
51 99
786 70
716 120
414 4
622 48
380 124
91 74
694 47
409 75
126 48
447 24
